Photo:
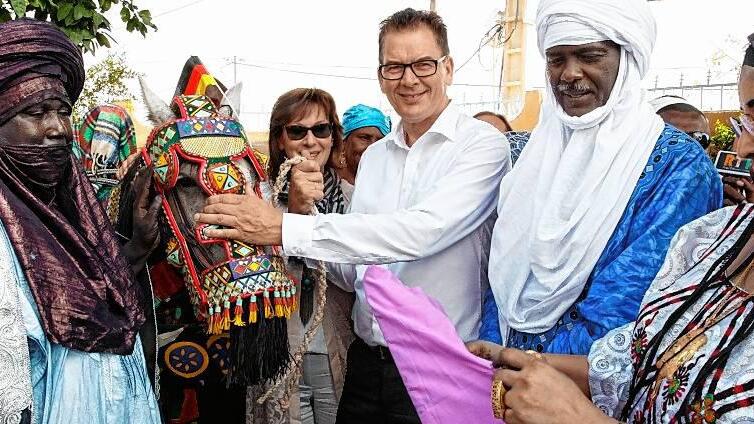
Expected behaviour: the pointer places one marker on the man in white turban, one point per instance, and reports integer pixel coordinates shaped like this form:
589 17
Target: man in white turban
586 216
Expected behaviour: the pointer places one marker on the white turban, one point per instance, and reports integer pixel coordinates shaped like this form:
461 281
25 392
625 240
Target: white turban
628 23
562 201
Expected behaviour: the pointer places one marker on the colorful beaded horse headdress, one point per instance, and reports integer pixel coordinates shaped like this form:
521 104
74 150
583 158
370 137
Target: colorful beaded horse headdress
248 292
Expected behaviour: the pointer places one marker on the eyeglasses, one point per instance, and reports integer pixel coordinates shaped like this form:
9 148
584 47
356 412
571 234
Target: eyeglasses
297 132
420 68
701 137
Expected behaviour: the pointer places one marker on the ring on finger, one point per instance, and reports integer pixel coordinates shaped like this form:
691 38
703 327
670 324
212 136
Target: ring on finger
498 401
535 354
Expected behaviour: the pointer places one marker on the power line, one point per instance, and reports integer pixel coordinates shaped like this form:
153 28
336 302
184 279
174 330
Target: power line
485 39
354 77
294 71
177 9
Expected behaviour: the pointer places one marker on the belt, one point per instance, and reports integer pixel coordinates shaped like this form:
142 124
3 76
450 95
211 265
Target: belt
381 352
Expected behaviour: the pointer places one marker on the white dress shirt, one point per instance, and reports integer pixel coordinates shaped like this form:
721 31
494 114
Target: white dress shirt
422 211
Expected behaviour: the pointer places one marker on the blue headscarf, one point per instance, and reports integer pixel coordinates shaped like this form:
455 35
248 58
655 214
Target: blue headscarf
361 116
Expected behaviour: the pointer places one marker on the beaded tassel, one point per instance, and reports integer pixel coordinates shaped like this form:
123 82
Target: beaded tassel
278 304
294 303
253 309
226 317
211 318
217 329
267 305
238 312
287 303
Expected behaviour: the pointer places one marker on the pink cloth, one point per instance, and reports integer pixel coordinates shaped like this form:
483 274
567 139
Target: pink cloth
446 383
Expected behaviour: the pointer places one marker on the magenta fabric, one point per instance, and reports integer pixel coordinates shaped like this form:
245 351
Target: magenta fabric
446 383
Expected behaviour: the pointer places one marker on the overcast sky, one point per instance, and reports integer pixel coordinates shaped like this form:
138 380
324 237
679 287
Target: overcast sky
339 37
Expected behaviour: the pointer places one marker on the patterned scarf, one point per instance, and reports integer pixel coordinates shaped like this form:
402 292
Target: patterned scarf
334 200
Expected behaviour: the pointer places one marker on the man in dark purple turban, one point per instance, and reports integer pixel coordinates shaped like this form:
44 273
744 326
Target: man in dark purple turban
70 309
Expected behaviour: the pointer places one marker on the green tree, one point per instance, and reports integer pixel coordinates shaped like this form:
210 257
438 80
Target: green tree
82 20
106 82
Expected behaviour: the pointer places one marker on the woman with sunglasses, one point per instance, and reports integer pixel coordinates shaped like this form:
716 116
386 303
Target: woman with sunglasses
304 122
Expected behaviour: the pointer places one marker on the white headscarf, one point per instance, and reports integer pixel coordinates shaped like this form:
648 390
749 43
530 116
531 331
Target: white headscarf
662 102
561 203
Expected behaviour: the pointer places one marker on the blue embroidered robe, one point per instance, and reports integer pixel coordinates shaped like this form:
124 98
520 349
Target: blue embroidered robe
679 184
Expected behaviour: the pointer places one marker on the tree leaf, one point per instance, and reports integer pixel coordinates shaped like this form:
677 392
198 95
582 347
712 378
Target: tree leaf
19 7
78 11
102 40
146 17
125 14
64 10
97 19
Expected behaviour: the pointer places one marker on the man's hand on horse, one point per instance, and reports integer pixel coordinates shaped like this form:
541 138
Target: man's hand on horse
244 217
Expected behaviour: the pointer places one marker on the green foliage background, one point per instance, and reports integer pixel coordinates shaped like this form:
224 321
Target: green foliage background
82 20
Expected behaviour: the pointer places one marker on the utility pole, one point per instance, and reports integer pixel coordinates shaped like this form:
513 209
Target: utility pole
235 61
433 5
512 92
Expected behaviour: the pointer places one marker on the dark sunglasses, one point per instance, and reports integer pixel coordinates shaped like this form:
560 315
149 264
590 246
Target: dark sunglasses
701 137
297 132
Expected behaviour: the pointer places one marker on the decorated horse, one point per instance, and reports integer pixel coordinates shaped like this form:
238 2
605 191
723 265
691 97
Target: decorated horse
221 306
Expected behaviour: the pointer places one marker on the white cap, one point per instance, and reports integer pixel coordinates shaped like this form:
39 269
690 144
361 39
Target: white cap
664 101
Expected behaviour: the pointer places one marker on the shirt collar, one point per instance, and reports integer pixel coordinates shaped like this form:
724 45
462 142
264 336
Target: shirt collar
444 125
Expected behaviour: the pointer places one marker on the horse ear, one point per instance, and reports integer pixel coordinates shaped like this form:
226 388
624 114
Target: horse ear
158 112
232 99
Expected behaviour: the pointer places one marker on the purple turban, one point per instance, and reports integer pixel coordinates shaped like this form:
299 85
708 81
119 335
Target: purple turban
37 62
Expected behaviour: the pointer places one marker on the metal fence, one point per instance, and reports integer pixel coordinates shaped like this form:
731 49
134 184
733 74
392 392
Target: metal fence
707 97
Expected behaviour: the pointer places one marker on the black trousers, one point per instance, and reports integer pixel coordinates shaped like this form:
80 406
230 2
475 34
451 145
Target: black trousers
373 392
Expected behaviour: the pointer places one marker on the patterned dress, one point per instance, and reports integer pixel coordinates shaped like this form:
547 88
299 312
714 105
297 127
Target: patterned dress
725 395
679 184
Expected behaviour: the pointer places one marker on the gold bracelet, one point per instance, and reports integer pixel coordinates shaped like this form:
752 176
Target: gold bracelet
498 403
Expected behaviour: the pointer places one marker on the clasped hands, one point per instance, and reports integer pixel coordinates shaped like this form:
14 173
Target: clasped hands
248 218
526 388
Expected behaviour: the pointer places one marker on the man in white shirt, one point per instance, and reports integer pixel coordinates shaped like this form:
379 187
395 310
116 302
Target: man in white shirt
422 207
